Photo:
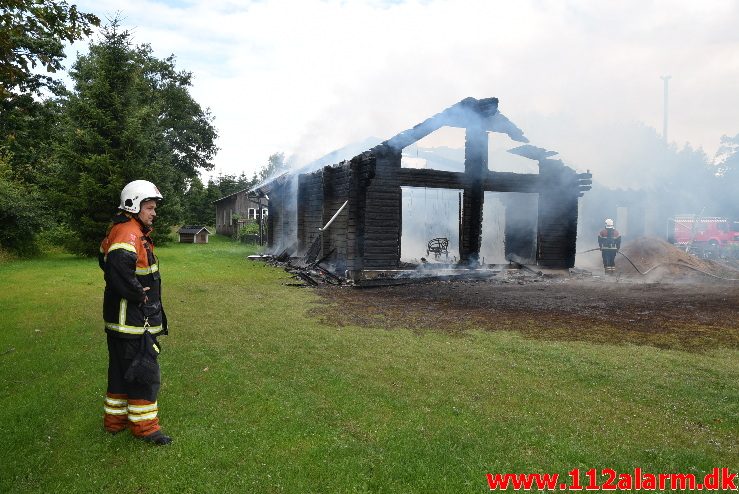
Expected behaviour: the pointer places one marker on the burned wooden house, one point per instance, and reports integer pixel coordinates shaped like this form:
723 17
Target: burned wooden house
367 190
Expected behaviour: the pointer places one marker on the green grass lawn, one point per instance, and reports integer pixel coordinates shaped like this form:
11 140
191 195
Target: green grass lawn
262 397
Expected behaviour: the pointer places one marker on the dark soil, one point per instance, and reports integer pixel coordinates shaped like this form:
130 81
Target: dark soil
685 309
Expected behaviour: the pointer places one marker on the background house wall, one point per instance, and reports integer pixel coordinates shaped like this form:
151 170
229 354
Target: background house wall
234 210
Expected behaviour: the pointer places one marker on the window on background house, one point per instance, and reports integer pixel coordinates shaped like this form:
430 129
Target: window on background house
252 214
264 212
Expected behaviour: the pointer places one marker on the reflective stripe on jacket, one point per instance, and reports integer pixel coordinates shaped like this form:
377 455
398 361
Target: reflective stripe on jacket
609 239
129 265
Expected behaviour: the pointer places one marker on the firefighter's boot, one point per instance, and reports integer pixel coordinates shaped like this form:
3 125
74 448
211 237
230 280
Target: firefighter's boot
158 438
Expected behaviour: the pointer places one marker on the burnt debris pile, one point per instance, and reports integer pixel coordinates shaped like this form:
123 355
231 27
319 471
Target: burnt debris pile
314 273
305 272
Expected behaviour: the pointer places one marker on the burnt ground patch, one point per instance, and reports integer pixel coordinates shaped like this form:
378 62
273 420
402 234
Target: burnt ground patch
693 316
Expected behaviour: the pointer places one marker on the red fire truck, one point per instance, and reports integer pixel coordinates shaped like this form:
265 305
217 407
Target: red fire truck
705 236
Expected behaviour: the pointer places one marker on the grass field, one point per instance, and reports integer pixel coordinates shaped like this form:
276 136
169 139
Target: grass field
262 397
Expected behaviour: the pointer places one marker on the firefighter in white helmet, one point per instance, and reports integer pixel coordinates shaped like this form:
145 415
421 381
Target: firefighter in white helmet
609 241
133 315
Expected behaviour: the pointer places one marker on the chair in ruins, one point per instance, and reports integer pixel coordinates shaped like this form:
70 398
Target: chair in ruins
437 247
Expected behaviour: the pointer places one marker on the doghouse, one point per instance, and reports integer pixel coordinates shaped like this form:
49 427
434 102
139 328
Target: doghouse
193 234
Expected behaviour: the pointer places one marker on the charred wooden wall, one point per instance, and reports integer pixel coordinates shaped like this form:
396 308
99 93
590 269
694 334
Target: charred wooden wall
362 172
475 170
557 230
321 195
521 221
282 220
275 238
310 210
383 204
368 234
336 184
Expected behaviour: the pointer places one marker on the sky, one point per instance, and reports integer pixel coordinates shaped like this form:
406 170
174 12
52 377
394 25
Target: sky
306 77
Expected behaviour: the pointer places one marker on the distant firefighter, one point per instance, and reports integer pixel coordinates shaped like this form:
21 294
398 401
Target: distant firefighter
609 241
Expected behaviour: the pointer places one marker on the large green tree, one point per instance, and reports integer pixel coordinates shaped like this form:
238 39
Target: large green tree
199 209
32 34
228 184
129 116
275 166
32 38
23 212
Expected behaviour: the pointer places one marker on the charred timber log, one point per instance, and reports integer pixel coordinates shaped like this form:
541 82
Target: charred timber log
475 169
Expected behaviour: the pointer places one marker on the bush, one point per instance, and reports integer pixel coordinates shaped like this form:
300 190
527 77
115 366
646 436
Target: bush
6 256
249 232
56 238
22 216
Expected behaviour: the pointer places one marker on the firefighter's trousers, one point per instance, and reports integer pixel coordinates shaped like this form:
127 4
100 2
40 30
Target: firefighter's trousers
128 405
609 258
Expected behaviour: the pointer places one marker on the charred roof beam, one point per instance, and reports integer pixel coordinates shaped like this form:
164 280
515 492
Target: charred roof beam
492 181
468 113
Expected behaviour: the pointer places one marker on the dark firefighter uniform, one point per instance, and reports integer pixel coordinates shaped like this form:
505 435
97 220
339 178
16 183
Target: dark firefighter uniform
609 241
128 261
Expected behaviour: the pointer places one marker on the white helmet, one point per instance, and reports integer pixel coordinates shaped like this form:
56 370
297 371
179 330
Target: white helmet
609 223
137 191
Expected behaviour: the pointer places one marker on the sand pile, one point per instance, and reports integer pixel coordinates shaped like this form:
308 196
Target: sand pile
649 252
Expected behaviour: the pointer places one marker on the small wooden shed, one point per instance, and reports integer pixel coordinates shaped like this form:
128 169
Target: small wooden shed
193 234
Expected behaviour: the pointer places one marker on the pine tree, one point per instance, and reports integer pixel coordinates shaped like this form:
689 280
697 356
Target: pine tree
32 37
130 116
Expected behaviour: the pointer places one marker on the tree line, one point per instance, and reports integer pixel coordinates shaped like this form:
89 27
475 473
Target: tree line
66 152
